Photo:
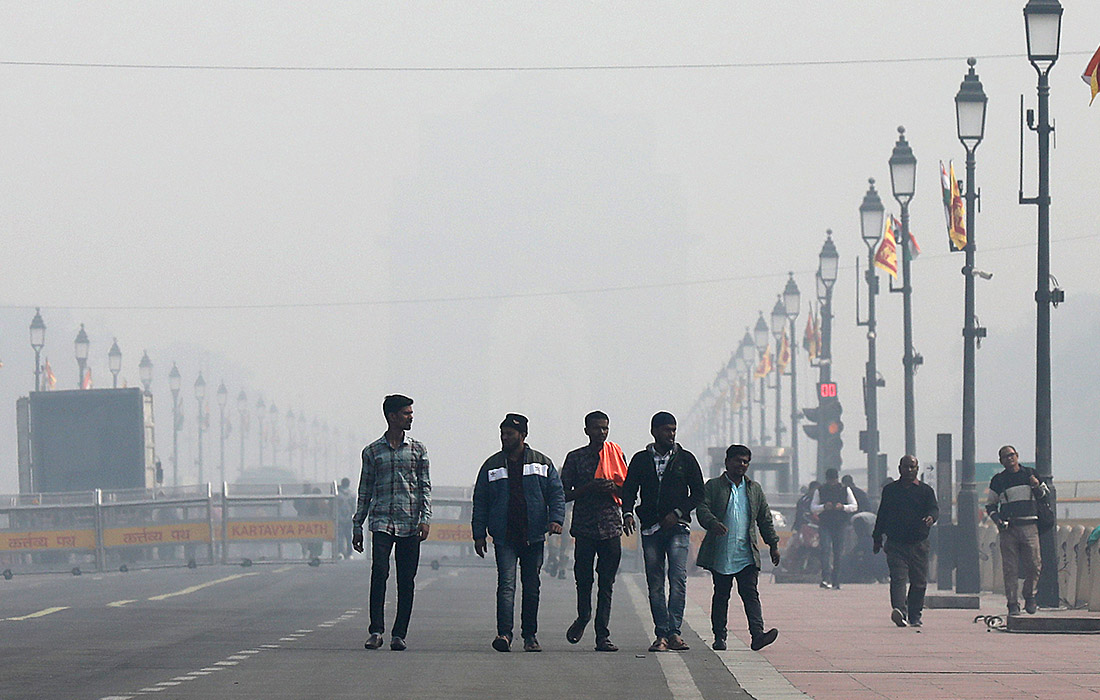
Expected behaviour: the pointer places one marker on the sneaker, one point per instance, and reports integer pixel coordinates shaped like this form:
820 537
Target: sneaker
824 584
659 644
576 630
531 644
1013 608
398 644
676 643
1030 606
373 642
897 617
502 643
762 640
605 645
718 645
916 623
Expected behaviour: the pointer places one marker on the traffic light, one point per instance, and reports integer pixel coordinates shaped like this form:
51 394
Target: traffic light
825 426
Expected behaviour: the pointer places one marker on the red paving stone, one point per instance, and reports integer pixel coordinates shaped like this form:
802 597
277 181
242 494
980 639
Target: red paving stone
841 645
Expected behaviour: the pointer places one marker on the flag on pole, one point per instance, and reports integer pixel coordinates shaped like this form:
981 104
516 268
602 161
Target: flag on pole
954 208
738 395
1090 75
811 339
783 355
87 382
886 258
913 249
764 368
51 380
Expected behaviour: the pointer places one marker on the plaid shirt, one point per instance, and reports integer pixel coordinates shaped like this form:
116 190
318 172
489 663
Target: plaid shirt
394 488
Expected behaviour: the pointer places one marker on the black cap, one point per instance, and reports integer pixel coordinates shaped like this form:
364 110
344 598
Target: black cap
515 421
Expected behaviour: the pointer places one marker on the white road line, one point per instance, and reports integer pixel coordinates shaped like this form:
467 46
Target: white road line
200 673
226 663
208 669
302 631
40 613
169 684
288 639
677 676
281 569
117 697
237 657
270 646
199 587
249 651
184 678
120 603
151 689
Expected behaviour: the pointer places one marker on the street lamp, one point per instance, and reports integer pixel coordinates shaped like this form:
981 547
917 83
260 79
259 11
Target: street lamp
222 397
903 180
242 411
114 363
81 344
38 341
200 395
316 447
760 339
273 415
778 326
1043 25
303 439
970 104
871 215
261 411
828 263
174 387
792 304
747 354
145 371
290 439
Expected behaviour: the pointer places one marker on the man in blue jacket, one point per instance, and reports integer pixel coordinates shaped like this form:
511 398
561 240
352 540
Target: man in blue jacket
517 498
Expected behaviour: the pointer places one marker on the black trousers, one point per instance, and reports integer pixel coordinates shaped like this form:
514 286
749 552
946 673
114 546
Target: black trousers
606 555
908 562
407 557
831 538
746 588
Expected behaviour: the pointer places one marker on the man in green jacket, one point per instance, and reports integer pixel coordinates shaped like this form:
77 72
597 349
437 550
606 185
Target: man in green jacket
733 511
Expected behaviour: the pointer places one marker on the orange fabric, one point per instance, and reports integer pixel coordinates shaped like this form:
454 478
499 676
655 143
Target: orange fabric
612 465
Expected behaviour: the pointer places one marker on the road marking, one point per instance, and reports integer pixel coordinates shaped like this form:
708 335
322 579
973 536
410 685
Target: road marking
226 663
208 669
184 678
281 569
288 639
199 587
117 697
676 673
237 657
270 646
151 689
40 613
302 631
120 603
249 651
168 684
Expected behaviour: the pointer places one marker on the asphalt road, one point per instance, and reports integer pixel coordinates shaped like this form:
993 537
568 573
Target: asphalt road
293 631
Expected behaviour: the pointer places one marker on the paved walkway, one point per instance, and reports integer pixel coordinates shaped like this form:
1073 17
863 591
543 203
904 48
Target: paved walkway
841 645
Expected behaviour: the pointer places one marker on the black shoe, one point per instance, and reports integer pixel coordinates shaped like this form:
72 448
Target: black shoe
897 617
531 644
605 645
576 630
502 643
764 639
824 584
916 623
1013 608
718 645
1030 607
374 641
398 644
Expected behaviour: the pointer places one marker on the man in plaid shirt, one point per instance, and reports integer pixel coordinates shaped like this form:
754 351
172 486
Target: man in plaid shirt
395 491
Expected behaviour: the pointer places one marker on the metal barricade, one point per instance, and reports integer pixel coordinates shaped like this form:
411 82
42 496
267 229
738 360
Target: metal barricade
277 523
170 526
49 532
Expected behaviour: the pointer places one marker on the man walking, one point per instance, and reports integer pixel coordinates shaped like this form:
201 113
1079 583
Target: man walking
833 504
735 513
517 499
395 491
671 486
1013 496
905 514
591 477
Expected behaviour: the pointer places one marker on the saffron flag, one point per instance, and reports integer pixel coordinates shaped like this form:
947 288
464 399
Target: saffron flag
738 395
811 339
783 355
765 367
87 381
1090 75
51 380
954 208
886 258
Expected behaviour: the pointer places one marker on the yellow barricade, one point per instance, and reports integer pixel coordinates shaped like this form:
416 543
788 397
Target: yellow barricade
280 530
178 533
47 539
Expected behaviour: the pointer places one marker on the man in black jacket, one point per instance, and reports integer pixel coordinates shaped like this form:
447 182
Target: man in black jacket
671 486
1014 496
906 512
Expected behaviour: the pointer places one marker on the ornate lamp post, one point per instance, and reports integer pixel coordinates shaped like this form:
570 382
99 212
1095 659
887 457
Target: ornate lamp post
223 397
792 302
81 344
273 415
242 412
145 371
114 363
290 439
200 395
261 411
760 340
903 180
174 387
871 215
747 354
778 327
303 440
38 341
1043 24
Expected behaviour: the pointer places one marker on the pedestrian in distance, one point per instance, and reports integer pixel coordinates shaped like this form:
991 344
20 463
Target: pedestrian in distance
345 508
833 504
905 515
863 501
735 513
395 498
668 480
591 477
517 499
1015 494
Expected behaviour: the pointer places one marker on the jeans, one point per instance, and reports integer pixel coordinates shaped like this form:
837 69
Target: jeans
407 557
1020 555
609 552
908 562
671 543
529 557
831 537
750 597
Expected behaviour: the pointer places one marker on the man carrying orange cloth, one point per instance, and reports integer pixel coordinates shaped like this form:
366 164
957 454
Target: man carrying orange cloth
591 477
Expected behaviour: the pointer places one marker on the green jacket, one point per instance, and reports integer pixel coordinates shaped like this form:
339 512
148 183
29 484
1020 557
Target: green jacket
716 498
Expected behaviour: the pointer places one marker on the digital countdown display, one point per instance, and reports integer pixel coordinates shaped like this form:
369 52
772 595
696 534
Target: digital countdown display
827 390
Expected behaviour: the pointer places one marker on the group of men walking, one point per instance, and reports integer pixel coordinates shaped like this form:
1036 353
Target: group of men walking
519 498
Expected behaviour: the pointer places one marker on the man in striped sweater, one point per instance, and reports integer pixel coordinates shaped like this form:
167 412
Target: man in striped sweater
1013 493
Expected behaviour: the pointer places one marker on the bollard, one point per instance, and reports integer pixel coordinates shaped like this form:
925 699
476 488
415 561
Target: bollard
1081 596
1061 539
998 569
986 534
1069 592
1094 574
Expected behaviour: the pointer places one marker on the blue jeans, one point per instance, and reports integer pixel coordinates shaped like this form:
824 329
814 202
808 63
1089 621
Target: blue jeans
671 543
529 558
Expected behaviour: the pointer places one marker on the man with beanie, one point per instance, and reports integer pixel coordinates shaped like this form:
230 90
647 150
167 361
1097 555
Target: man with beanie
517 499
396 492
591 477
833 504
905 515
670 483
